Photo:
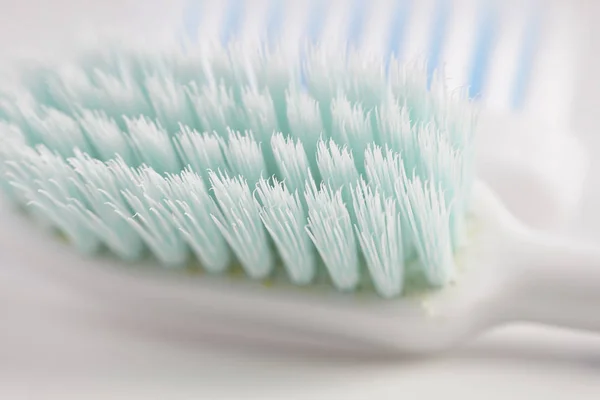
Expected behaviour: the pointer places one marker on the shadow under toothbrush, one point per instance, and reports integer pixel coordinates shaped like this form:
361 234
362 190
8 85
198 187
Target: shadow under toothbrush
277 343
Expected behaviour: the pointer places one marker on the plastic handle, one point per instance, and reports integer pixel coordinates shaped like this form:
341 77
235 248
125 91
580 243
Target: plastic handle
556 283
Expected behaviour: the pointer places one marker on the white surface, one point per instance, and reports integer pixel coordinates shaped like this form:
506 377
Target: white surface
54 345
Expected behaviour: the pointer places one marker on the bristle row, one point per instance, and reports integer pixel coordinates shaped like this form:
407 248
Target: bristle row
176 216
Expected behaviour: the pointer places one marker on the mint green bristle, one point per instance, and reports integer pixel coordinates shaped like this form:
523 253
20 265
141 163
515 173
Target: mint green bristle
215 106
187 67
305 121
385 171
406 81
272 70
244 156
100 192
325 74
260 113
336 164
423 204
228 68
330 229
304 116
291 161
12 142
201 151
226 155
192 209
45 181
114 92
152 218
152 145
365 81
283 215
48 121
393 124
337 168
379 231
240 223
261 120
351 127
170 102
105 136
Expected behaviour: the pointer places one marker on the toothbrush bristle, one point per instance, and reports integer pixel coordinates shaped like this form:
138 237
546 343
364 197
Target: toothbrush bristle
283 215
330 228
334 165
239 221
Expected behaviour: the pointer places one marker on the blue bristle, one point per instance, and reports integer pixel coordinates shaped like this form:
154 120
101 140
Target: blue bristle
443 10
485 37
397 28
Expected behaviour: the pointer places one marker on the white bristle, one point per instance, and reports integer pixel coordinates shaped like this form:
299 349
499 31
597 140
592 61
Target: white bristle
239 221
330 229
284 217
379 233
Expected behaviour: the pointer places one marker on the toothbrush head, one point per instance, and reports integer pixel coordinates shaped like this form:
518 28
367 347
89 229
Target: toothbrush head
336 170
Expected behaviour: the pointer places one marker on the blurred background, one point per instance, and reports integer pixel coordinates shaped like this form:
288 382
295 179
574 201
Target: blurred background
532 55
524 60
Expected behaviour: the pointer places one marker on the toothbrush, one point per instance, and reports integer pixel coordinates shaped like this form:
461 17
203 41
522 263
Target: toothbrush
373 226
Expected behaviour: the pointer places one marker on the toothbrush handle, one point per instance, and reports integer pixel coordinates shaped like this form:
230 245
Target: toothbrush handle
557 283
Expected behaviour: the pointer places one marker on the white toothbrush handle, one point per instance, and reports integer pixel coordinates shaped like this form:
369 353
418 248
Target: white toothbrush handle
557 283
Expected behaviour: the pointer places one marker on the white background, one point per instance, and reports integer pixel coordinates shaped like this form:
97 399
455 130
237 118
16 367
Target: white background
54 345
